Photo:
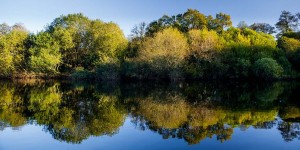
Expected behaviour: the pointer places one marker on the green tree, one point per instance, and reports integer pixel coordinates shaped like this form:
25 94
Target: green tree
6 59
137 37
193 19
259 38
291 47
243 48
71 32
12 48
158 25
295 35
15 44
45 56
138 31
106 49
4 28
234 36
267 68
221 22
287 22
263 27
242 25
87 43
108 42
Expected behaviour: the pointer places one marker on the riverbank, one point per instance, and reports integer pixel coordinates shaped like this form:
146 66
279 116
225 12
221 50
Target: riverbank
121 78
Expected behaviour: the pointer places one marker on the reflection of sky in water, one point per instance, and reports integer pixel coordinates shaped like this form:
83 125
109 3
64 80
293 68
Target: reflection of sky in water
129 137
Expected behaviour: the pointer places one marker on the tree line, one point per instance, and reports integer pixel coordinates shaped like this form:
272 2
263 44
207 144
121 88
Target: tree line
190 45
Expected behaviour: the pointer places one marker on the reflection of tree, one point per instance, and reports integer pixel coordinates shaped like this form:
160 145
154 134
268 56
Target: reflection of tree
74 112
44 103
11 107
170 115
80 114
237 96
265 125
108 116
249 117
269 93
290 112
205 116
69 113
3 125
289 131
290 127
195 135
167 115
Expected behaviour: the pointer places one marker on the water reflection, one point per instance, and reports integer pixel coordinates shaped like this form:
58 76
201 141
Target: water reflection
73 112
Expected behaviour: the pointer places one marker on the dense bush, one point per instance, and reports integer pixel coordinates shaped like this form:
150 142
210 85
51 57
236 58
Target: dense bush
267 68
108 71
291 47
81 74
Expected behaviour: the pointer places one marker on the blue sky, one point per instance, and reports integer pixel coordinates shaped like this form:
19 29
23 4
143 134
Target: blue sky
35 14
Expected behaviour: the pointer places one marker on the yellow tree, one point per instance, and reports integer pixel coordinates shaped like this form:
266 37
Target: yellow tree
204 43
165 51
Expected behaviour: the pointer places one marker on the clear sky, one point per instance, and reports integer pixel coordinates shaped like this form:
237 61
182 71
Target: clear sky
35 14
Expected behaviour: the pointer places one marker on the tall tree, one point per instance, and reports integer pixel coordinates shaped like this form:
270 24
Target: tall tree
15 43
287 22
4 28
193 19
138 31
263 27
221 22
158 25
137 36
242 25
70 31
19 26
107 45
12 48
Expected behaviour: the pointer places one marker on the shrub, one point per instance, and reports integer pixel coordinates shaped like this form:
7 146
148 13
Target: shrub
267 68
108 71
291 48
80 73
133 69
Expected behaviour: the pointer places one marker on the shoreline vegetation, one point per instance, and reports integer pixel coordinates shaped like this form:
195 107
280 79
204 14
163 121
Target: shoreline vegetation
187 46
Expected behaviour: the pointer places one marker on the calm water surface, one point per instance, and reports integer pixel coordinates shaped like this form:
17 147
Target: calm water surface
72 115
